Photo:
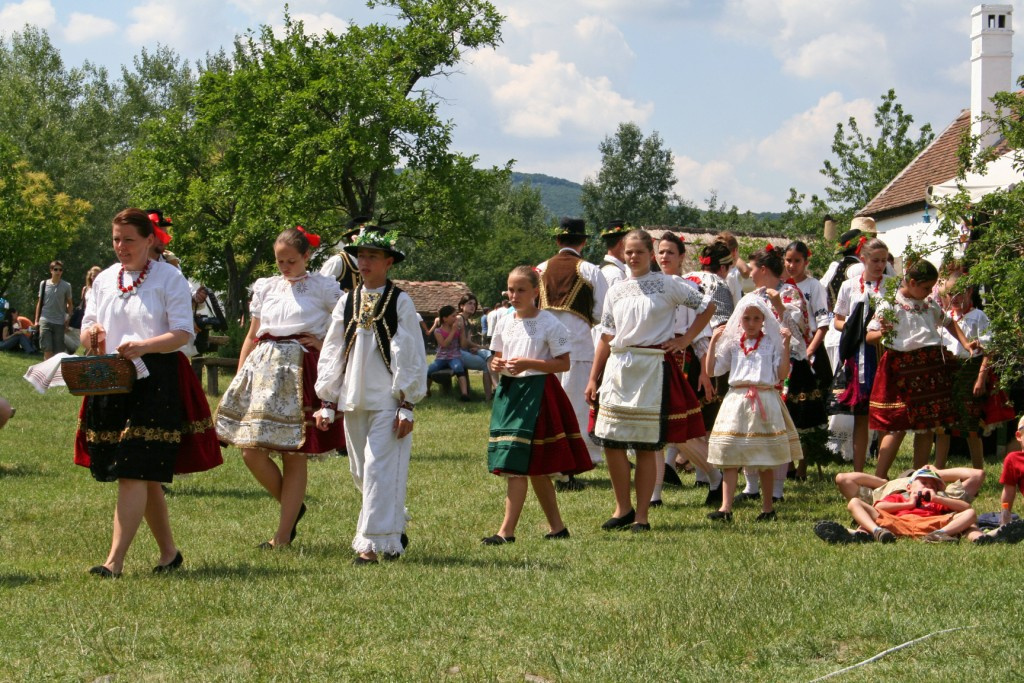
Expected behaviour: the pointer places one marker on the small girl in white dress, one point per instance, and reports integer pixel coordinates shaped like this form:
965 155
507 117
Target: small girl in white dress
753 427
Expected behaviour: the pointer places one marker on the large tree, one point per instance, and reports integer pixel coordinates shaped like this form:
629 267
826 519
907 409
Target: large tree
635 181
864 165
297 128
36 222
64 124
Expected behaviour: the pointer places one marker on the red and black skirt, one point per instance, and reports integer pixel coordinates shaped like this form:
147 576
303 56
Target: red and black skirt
913 390
533 429
804 400
709 405
161 428
679 418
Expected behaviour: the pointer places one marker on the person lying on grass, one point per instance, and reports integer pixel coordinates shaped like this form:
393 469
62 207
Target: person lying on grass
923 510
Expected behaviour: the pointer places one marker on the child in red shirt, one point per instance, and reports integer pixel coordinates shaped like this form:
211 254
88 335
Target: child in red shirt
919 512
1012 477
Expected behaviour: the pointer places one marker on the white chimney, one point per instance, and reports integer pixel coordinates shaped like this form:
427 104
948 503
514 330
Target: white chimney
991 63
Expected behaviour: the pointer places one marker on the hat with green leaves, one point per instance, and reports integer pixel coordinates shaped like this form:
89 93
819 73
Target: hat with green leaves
571 227
375 237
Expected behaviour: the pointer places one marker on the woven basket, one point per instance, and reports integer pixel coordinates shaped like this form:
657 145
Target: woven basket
98 375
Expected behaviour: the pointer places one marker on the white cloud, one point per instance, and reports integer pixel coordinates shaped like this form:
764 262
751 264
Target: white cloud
14 15
81 28
800 145
158 22
549 97
836 54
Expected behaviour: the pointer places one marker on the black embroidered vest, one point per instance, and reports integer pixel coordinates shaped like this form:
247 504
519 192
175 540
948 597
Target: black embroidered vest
383 318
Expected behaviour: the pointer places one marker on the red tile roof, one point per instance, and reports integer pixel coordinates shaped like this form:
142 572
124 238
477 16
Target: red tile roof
937 163
430 296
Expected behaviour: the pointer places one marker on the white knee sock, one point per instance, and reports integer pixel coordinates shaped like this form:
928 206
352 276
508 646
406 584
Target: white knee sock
780 479
753 484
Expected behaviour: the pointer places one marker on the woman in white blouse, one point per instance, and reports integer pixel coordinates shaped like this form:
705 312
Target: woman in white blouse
142 310
270 403
641 400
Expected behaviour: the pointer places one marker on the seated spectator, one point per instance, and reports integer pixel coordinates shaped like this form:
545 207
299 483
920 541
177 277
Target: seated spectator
1012 477
16 332
449 353
918 507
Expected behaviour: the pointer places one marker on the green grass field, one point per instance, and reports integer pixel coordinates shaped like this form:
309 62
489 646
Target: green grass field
689 601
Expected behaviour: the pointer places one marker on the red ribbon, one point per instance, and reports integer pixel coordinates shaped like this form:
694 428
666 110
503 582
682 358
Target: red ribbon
860 244
705 260
162 235
754 396
809 253
314 240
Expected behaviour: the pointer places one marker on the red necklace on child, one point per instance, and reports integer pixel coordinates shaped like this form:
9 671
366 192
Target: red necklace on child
874 289
132 288
743 343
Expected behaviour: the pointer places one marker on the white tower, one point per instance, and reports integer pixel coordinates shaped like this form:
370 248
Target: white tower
991 63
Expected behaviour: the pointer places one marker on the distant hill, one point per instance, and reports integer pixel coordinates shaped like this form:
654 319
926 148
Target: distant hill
560 197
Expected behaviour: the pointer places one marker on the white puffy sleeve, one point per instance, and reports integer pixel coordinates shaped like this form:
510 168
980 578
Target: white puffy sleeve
178 303
557 338
684 293
723 357
408 355
330 371
259 289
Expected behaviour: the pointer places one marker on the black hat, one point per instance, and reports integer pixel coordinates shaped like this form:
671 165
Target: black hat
849 242
571 227
158 219
354 226
615 228
374 237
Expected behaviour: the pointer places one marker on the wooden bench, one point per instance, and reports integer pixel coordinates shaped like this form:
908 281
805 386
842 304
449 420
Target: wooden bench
213 365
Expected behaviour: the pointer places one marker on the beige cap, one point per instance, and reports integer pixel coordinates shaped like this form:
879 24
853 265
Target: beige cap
864 224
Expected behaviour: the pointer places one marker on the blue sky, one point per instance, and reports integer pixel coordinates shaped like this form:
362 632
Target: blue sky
746 93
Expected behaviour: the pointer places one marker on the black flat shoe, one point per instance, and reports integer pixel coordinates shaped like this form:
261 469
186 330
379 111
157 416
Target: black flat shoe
564 533
302 513
714 497
769 516
620 522
101 571
656 503
720 516
497 539
391 557
170 566
640 527
266 545
671 476
359 561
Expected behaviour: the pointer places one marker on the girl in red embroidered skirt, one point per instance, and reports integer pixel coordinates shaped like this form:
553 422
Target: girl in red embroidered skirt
913 386
534 433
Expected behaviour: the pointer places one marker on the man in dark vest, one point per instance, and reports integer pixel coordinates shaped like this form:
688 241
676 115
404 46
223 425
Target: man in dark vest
373 369
573 290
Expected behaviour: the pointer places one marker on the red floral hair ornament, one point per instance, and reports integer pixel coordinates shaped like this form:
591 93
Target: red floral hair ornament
162 236
314 240
705 260
769 247
809 253
860 244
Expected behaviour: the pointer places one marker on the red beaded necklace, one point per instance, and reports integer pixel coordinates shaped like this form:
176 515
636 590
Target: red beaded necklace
875 287
132 288
743 343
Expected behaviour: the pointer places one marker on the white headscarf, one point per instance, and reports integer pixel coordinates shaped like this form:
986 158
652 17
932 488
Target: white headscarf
734 328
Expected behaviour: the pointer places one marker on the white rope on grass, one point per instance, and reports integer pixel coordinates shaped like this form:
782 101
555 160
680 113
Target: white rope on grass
890 651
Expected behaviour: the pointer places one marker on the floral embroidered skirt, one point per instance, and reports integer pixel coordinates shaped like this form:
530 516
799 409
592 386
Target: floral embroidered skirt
913 390
271 400
162 428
